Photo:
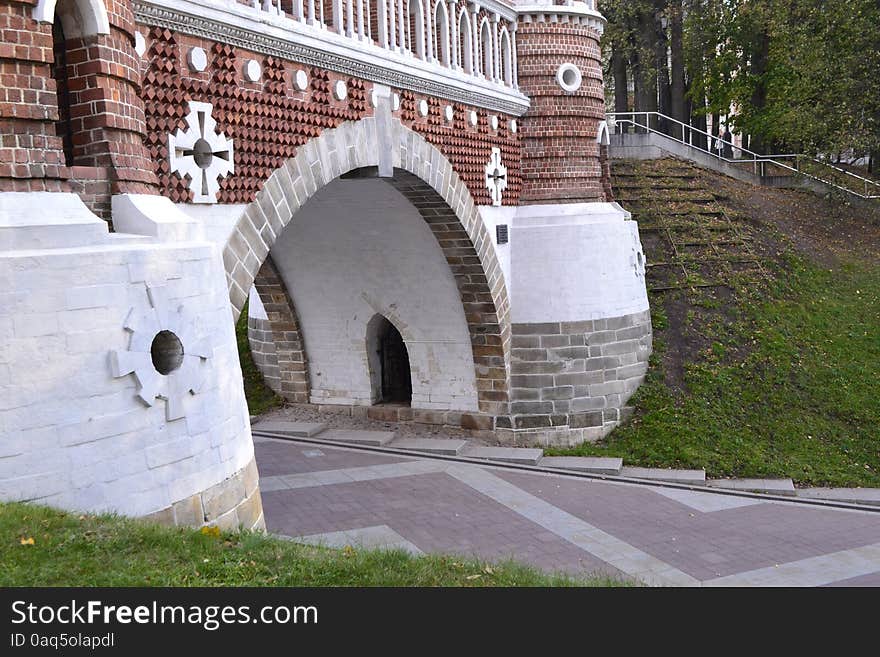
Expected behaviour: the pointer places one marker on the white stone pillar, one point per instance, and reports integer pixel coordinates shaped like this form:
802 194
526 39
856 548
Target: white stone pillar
513 54
476 62
496 48
453 35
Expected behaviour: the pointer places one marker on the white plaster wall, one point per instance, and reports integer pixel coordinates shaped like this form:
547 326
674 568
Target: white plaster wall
218 220
575 262
72 435
358 248
492 216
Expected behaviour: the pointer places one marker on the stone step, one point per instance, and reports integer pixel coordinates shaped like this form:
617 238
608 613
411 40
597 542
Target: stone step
359 436
591 464
853 495
773 486
444 446
697 477
520 455
297 429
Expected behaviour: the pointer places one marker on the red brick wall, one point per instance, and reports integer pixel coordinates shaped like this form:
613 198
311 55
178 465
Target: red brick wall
560 153
31 157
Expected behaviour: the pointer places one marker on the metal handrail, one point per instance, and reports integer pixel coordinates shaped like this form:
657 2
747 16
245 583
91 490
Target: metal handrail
758 160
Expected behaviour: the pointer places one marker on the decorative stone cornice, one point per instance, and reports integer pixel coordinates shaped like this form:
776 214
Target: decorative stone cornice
287 39
578 13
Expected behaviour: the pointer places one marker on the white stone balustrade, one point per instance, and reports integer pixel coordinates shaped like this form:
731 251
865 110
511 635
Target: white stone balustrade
471 37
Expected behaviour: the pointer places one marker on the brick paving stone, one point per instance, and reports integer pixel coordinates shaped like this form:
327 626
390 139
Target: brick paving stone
561 523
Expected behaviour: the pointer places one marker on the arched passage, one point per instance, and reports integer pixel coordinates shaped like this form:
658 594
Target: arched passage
427 180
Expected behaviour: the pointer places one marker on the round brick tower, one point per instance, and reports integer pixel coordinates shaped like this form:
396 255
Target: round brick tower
560 69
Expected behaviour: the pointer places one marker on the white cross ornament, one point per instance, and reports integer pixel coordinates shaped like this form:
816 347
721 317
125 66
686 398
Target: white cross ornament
496 176
200 153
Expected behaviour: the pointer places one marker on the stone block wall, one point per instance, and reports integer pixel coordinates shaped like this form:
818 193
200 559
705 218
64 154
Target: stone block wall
569 380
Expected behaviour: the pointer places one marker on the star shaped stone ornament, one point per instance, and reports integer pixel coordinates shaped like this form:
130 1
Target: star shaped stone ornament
151 331
200 154
496 176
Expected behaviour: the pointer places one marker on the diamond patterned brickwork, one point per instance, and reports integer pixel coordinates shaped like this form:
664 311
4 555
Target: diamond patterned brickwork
270 119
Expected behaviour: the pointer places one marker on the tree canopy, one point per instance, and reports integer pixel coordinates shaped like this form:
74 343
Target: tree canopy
793 75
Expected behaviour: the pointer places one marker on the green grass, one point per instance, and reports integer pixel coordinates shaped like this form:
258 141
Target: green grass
260 397
73 550
790 389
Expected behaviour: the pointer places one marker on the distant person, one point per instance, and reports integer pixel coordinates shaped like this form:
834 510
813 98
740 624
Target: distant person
727 151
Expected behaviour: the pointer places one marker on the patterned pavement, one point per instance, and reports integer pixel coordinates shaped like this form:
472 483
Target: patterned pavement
657 535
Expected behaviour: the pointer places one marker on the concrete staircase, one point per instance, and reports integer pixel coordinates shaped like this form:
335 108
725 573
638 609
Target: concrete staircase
533 457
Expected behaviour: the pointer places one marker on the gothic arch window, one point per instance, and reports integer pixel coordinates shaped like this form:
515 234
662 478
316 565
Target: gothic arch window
506 58
486 47
465 42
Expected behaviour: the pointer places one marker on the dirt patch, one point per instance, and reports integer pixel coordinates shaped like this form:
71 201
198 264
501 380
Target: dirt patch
827 230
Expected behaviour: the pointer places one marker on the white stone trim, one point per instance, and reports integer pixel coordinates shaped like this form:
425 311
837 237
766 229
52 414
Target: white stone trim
92 12
197 59
301 80
253 71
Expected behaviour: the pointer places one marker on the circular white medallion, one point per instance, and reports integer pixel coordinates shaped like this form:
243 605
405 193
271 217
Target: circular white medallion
340 90
301 80
472 118
493 122
253 71
197 59
513 126
395 102
448 112
569 77
423 107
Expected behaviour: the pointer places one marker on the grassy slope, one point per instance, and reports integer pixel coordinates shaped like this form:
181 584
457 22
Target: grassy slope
260 397
72 550
789 387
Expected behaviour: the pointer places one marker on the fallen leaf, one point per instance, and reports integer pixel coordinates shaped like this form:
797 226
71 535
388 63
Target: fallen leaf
27 541
211 531
473 576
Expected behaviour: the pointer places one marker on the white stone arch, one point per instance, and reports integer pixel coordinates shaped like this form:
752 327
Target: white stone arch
79 18
603 137
466 39
486 59
442 50
424 176
506 57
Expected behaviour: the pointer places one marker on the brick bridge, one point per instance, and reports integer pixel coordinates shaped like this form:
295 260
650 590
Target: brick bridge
414 196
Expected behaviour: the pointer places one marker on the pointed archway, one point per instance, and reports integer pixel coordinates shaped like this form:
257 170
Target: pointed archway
426 178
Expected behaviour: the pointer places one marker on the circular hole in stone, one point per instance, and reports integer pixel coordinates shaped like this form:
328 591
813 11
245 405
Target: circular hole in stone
202 153
167 352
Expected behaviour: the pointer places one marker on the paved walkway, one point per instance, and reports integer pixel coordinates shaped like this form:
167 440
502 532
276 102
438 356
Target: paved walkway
663 536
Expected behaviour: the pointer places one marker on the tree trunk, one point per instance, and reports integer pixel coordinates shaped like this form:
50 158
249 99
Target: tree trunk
618 72
661 63
644 71
677 86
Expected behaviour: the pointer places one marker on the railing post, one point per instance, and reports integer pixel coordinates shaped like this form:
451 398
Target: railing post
475 37
429 31
452 21
401 25
360 19
513 54
349 18
311 19
382 23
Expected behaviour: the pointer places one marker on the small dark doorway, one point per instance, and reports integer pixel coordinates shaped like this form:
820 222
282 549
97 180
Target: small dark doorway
62 86
390 363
